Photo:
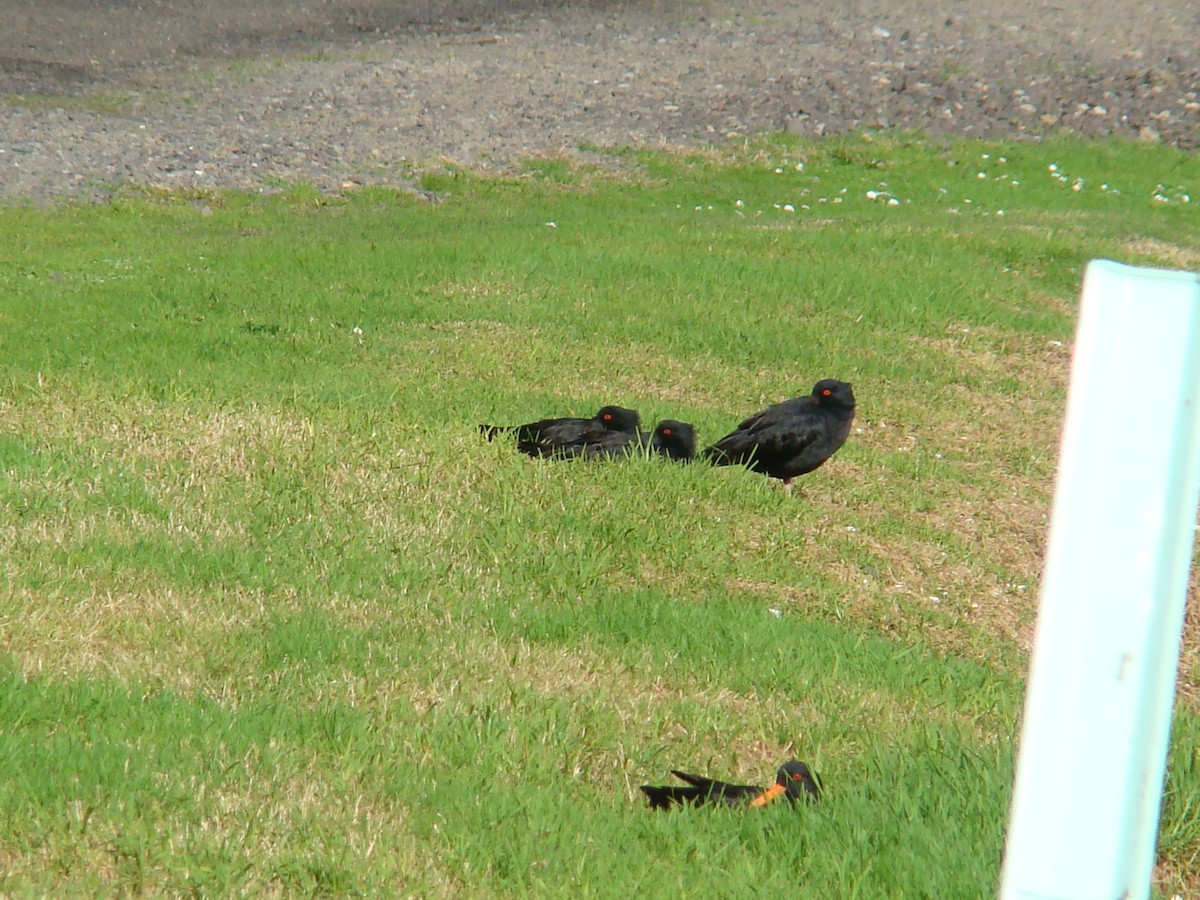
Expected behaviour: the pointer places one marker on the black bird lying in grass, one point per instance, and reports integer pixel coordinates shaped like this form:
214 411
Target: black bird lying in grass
672 439
790 438
794 781
552 433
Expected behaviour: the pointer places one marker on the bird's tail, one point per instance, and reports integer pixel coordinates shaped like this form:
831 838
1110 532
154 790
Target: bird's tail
536 448
490 431
716 456
663 797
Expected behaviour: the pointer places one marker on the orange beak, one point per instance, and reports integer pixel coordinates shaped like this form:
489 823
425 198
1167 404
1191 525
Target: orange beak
770 794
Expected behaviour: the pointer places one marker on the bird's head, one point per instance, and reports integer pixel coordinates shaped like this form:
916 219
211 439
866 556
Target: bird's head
617 418
798 781
831 392
676 440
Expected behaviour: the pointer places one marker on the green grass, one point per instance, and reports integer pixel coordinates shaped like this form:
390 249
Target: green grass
99 102
275 619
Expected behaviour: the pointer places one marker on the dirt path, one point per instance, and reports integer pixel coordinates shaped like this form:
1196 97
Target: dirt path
222 93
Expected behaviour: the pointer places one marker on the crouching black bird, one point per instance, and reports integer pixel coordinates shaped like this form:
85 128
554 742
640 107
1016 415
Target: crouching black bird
794 781
672 439
790 438
552 433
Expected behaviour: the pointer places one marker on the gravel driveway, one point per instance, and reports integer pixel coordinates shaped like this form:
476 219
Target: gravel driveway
182 93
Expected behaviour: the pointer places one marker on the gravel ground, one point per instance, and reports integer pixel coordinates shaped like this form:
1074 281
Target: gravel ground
185 93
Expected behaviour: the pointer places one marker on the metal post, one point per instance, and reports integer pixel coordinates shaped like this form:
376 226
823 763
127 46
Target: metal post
1101 686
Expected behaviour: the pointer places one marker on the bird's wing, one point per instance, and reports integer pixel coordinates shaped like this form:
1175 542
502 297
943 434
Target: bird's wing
738 445
553 431
592 444
609 444
695 780
718 790
786 437
781 430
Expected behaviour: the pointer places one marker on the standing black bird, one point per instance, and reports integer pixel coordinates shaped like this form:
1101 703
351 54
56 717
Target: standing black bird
552 433
792 437
794 781
672 439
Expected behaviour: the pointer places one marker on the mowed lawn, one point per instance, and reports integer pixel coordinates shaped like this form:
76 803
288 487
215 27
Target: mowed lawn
276 620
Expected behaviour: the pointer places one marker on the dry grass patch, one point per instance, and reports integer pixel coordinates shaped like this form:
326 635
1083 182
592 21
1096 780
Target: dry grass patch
1174 256
677 718
149 631
211 445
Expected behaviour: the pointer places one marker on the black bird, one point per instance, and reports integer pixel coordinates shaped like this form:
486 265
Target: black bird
672 439
794 781
552 433
793 437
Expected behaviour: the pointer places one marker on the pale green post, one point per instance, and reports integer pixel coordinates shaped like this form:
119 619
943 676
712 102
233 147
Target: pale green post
1093 749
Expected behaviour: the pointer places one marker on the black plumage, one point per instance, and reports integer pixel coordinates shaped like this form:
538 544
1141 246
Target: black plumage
793 437
670 438
552 433
794 781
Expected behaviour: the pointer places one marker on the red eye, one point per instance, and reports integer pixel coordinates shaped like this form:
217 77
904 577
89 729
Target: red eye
826 393
666 431
608 417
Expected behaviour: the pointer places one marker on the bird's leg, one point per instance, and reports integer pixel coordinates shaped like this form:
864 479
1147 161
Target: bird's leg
787 486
